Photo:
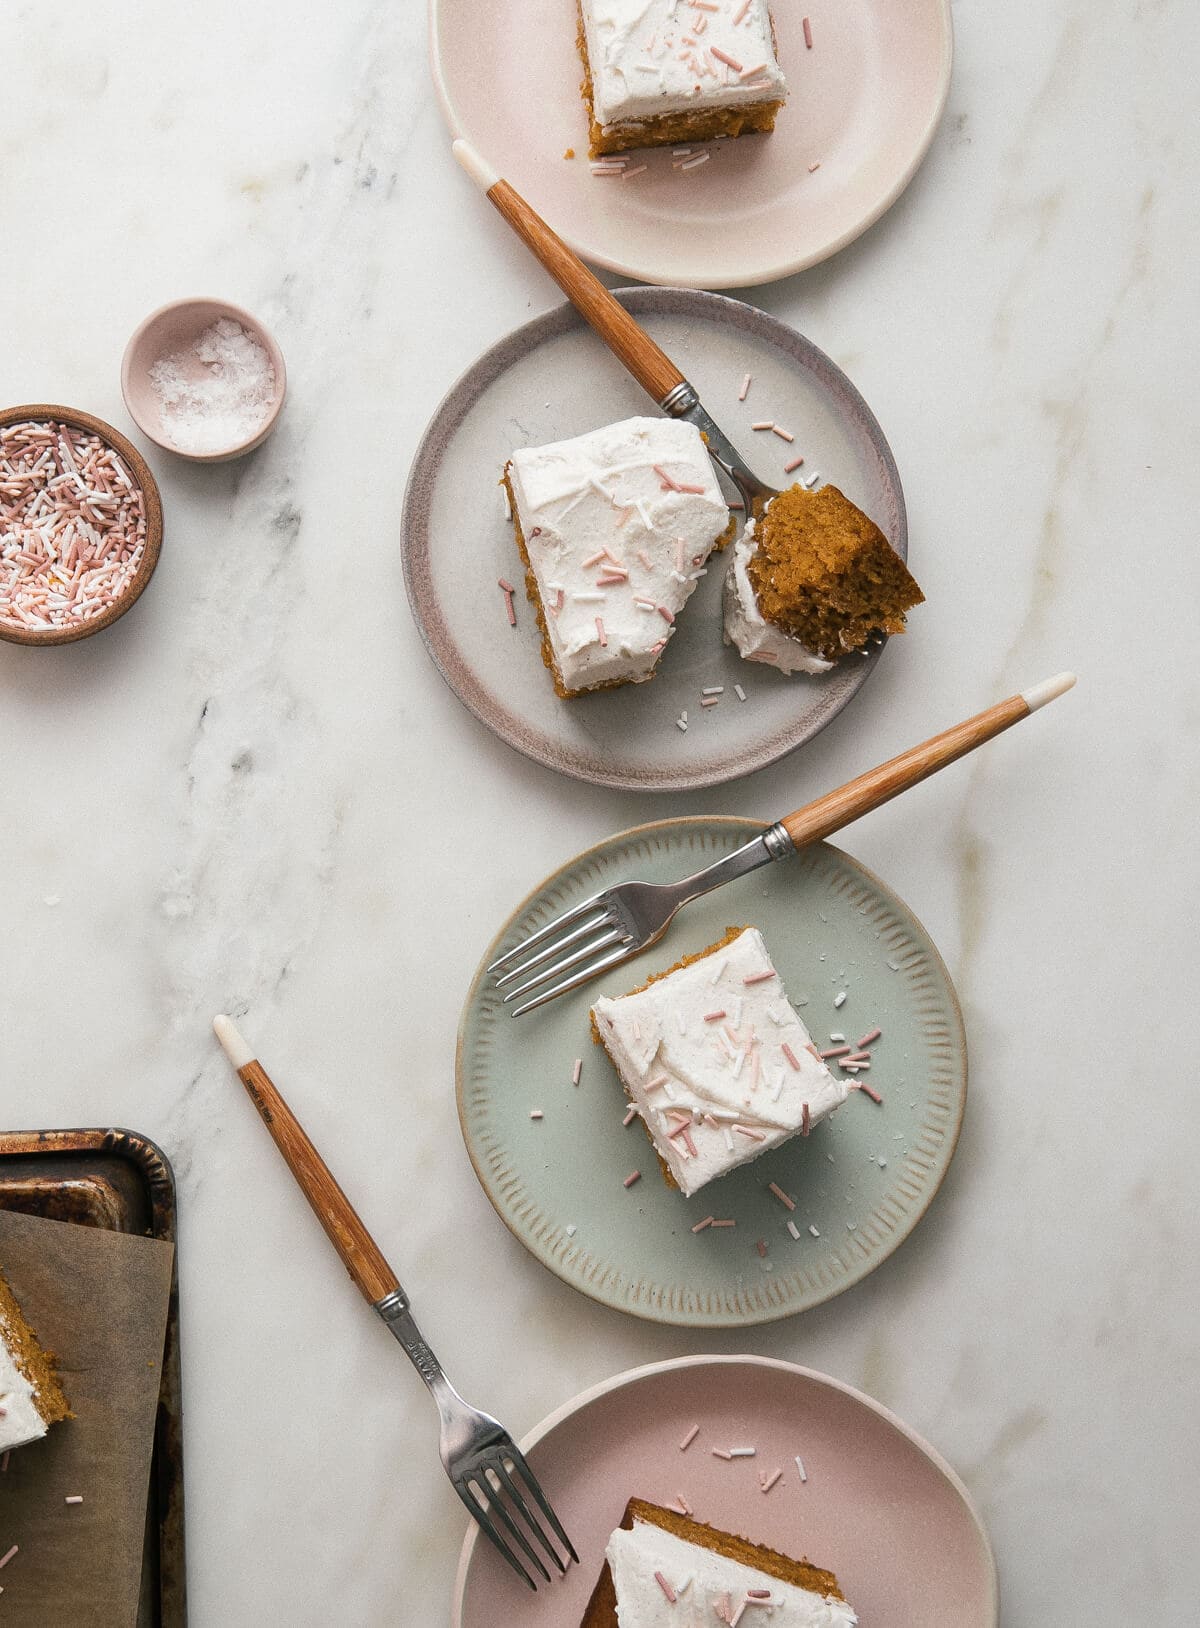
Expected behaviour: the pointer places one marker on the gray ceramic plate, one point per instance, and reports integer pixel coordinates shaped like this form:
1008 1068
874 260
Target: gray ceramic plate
880 1507
554 378
863 1179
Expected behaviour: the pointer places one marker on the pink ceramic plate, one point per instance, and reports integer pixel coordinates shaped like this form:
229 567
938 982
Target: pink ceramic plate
879 1507
864 105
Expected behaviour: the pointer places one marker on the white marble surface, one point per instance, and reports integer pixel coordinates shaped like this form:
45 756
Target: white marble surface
256 793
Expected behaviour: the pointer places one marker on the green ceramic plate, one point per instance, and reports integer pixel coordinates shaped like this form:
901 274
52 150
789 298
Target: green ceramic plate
862 1180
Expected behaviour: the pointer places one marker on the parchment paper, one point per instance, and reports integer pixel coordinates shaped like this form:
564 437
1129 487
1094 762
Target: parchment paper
98 1300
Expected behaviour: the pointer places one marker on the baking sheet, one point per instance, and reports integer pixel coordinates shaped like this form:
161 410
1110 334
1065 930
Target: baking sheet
99 1299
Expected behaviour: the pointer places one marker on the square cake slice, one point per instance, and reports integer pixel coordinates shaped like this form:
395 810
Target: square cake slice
716 1061
812 579
614 528
659 72
663 1570
31 1398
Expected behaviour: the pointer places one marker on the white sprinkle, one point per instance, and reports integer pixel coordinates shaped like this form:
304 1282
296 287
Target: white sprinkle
689 1438
894 966
840 998
714 689
742 1452
76 1498
589 599
577 1071
571 1230
813 1230
745 390
793 1229
882 1163
800 1467
507 501
718 970
739 692
693 163
681 725
536 1113
838 1039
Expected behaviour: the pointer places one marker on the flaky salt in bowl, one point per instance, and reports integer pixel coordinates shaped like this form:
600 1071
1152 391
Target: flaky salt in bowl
204 379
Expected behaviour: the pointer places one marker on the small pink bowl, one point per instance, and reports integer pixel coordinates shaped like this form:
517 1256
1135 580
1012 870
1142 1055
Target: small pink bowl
169 330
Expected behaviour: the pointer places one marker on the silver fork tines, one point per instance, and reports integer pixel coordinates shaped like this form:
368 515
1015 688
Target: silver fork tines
487 1469
612 926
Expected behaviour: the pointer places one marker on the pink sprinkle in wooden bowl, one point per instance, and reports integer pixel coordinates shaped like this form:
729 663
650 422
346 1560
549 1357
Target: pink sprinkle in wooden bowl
171 330
139 470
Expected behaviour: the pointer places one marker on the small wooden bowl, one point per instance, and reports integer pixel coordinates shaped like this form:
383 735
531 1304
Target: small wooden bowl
140 470
170 329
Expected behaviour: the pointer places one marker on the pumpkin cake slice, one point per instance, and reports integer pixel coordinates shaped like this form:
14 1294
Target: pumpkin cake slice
31 1398
812 579
614 528
716 1062
656 72
664 1570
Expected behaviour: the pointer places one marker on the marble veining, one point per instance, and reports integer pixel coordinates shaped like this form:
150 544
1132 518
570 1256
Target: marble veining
255 794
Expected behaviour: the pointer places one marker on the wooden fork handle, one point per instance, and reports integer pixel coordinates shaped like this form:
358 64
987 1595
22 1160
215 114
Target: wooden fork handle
630 344
360 1253
838 808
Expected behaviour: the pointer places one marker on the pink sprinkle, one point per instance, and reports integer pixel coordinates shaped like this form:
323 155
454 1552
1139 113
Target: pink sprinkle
665 1586
763 424
594 559
630 1115
559 603
784 435
763 1593
653 1085
758 977
667 480
634 1175
577 1071
614 579
814 167
662 609
730 62
813 1052
790 1055
745 390
638 169
14 1550
795 464
755 1136
682 1505
805 1119
603 636
700 1226
76 1498
741 12
869 1091
858 1059
788 1203
506 586
689 1438
711 701
719 1452
645 559
681 486
508 603
761 1246
834 1051
724 1223
869 1039
711 1017
807 33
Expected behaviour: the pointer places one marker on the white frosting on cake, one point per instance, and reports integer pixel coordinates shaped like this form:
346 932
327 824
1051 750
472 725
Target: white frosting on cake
746 627
680 1062
20 1421
647 58
596 507
701 1581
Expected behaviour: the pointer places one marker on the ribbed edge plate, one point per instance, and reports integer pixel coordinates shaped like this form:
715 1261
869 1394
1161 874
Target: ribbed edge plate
863 1179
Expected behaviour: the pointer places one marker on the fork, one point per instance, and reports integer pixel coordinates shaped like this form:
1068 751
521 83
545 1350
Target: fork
629 342
480 1457
621 921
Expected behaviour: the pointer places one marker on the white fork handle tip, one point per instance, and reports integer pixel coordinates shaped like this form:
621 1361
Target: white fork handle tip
482 173
1048 690
232 1043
